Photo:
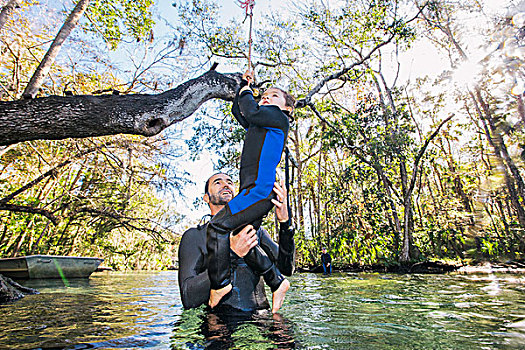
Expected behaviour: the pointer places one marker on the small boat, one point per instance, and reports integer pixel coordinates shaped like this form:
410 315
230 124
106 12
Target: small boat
49 266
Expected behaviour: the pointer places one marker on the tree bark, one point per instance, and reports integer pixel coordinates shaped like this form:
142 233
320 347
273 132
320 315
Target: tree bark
45 65
407 195
7 10
497 143
58 117
11 291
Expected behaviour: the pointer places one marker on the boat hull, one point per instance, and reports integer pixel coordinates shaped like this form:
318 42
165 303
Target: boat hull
49 266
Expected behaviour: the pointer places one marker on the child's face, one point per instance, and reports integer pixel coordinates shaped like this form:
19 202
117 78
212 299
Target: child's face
274 97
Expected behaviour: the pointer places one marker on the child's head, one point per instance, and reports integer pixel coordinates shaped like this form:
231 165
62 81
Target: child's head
278 97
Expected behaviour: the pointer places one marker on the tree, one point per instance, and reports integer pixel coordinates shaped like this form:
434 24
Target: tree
43 68
104 19
490 100
7 10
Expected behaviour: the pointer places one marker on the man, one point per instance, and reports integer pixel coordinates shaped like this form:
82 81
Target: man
248 292
326 259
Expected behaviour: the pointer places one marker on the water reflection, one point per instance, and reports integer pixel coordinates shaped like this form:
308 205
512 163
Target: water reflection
344 311
228 329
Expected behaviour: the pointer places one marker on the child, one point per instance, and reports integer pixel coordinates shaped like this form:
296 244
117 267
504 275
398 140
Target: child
267 128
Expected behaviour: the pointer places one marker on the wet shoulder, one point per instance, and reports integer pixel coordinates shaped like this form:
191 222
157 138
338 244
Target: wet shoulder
194 235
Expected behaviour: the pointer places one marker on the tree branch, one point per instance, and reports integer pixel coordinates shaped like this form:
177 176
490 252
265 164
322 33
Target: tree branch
57 117
47 174
423 150
31 210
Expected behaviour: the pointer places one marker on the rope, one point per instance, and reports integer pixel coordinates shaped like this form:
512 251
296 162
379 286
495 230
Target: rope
248 6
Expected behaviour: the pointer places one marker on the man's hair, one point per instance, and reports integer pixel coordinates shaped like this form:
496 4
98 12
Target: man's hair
207 185
288 97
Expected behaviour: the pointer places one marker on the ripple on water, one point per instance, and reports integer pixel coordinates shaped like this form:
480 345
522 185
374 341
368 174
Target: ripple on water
345 311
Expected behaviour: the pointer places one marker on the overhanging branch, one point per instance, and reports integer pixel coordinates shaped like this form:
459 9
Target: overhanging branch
57 117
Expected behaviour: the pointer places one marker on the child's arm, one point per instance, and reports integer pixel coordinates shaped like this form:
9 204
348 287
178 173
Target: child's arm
247 79
236 111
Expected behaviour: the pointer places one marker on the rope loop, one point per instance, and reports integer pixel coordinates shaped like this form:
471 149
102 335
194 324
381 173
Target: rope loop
248 5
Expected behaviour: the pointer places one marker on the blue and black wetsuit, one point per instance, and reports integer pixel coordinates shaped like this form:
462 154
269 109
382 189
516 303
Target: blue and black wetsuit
266 133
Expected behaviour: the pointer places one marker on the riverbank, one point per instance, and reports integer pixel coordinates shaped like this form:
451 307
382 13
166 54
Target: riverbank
485 267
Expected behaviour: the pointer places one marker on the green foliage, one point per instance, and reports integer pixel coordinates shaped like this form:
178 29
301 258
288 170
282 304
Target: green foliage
114 20
104 201
104 194
363 181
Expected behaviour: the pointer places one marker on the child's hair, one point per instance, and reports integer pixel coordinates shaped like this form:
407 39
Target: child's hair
288 97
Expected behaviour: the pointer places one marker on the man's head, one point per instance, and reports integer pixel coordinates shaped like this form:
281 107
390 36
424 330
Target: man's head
324 250
278 97
218 191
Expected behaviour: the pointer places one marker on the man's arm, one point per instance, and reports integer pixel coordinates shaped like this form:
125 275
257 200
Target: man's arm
286 258
286 255
194 283
282 254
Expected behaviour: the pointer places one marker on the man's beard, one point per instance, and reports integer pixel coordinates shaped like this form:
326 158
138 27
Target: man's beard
218 199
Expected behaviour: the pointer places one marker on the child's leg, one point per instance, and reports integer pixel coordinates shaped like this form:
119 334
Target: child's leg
260 263
218 246
263 265
224 222
247 207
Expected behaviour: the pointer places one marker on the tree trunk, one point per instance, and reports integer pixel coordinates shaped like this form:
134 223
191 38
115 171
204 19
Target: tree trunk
503 148
408 190
299 206
57 117
389 198
497 144
45 65
521 109
11 291
7 10
407 212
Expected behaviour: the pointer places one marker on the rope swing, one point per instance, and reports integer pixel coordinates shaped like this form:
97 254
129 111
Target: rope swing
248 6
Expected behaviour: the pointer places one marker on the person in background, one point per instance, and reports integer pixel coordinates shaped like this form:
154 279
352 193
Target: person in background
326 260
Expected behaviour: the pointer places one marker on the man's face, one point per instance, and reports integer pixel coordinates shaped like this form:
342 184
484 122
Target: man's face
274 97
324 251
220 189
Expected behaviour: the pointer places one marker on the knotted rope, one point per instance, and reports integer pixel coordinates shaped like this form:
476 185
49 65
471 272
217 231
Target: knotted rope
248 6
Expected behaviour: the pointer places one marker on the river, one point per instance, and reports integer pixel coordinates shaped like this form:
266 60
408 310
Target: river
344 311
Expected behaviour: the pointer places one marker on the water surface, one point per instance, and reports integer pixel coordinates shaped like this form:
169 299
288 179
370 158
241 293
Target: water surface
344 311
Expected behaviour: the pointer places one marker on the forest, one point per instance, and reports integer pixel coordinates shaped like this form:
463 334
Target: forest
390 163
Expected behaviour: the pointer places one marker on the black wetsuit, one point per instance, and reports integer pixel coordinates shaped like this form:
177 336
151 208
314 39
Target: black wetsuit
267 130
248 289
326 259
